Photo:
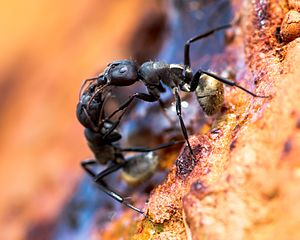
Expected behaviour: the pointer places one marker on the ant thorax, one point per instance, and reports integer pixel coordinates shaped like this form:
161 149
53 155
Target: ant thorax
172 75
186 74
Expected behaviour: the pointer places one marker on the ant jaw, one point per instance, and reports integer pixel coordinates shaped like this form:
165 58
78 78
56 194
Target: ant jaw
102 79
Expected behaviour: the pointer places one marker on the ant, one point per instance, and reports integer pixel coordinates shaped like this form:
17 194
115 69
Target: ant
102 139
207 86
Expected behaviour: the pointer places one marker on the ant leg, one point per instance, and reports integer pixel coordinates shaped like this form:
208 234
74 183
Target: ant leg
183 128
196 38
95 128
225 81
144 149
143 96
84 83
98 178
86 163
103 186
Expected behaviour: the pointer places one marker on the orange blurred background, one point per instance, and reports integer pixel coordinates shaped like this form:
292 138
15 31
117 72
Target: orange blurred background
47 49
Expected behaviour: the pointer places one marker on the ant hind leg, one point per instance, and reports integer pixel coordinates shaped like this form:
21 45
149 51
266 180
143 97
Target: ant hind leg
227 82
98 178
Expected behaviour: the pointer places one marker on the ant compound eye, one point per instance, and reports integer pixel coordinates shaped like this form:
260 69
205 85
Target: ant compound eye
113 65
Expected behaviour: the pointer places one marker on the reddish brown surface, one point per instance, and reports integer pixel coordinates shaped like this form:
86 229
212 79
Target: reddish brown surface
47 49
290 27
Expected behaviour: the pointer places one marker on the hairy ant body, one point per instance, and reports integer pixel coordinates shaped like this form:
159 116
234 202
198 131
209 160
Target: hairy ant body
207 86
102 139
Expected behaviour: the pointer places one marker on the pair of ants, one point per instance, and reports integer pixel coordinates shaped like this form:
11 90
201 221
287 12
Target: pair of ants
100 130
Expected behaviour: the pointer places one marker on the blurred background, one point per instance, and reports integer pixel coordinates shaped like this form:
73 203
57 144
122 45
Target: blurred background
47 49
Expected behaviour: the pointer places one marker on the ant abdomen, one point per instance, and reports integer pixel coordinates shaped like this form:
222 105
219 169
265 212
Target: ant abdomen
140 167
210 94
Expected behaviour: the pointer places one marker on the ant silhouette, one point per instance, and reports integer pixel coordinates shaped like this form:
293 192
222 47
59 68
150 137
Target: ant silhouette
102 139
207 86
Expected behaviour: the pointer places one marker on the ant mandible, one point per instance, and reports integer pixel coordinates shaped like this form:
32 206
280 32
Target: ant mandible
207 86
102 139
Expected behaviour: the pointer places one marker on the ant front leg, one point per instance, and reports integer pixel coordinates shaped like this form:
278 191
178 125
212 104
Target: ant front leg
98 178
142 96
84 83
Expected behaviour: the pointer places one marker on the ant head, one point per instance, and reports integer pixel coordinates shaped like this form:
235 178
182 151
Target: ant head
121 73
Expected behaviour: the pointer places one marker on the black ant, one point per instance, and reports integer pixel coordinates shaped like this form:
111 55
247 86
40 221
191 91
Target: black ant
207 85
102 139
